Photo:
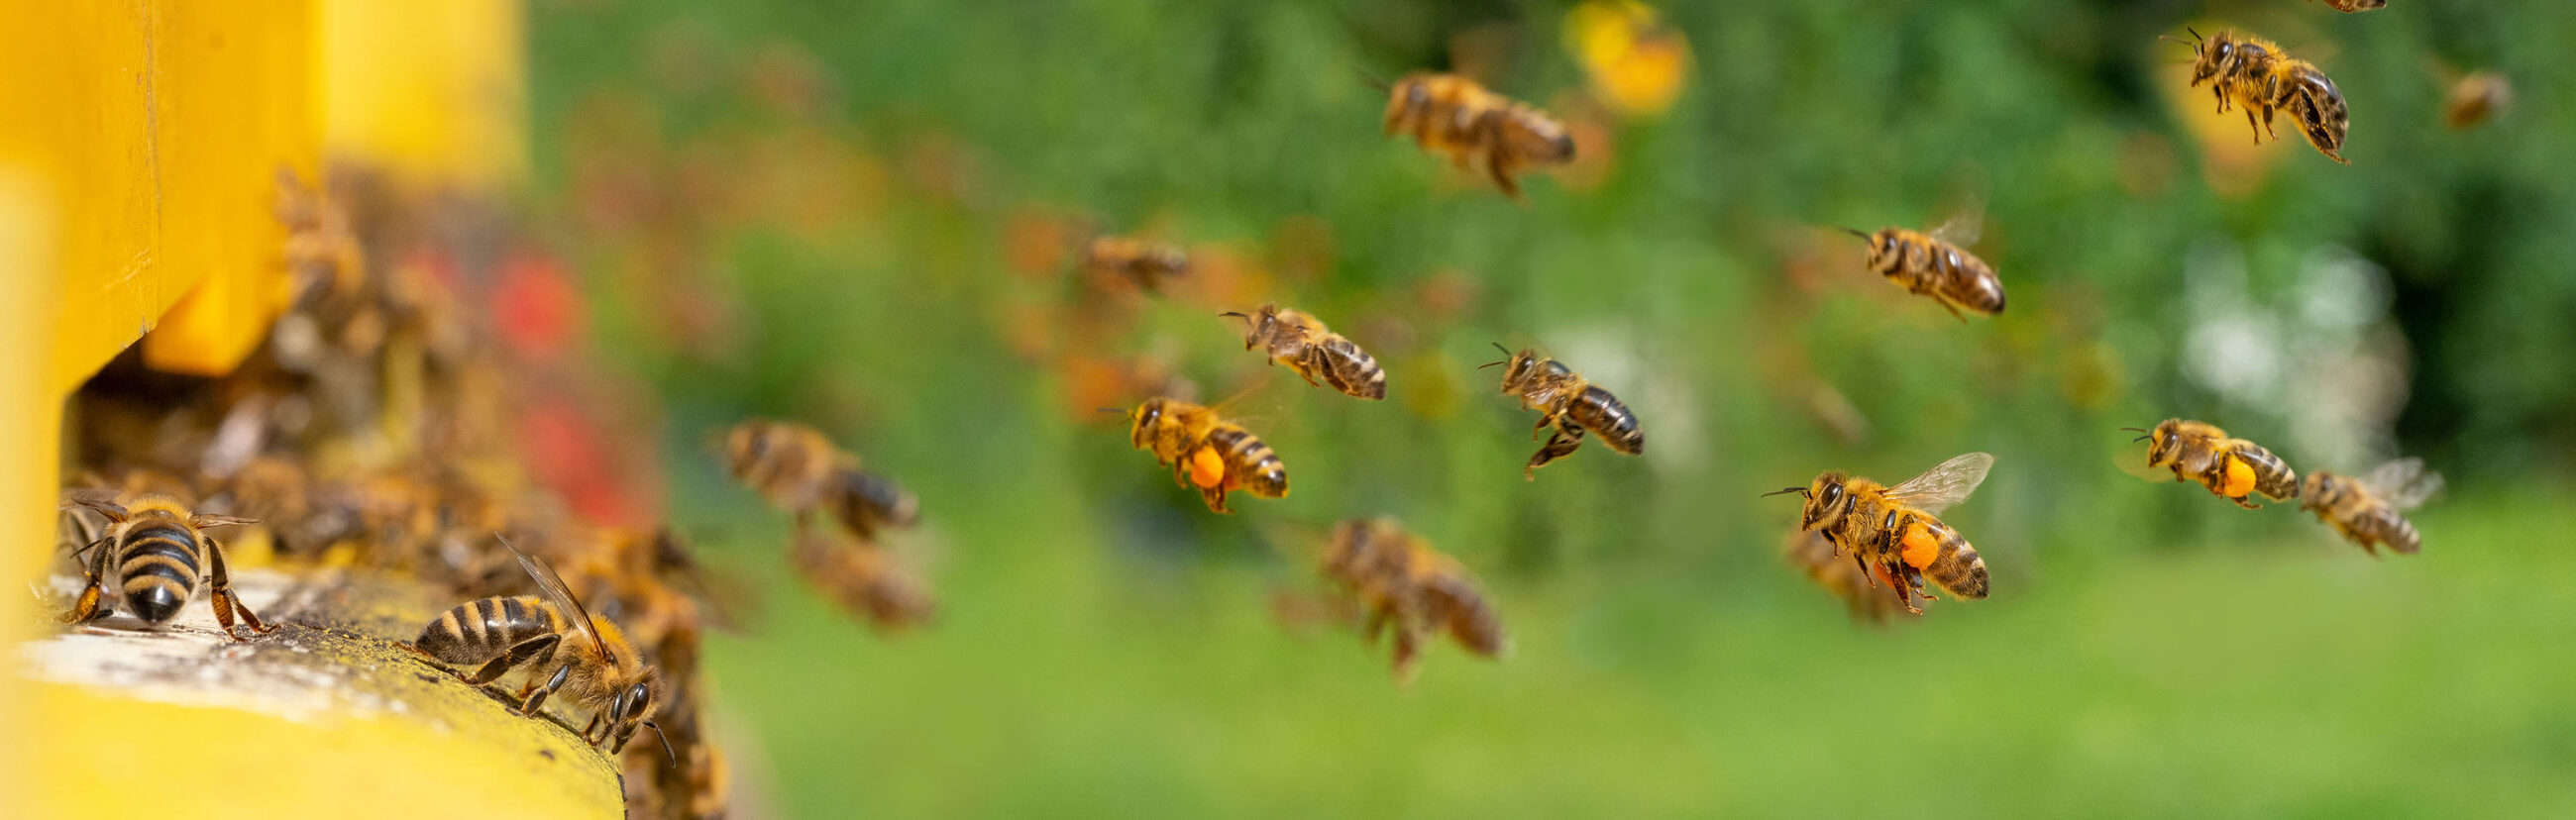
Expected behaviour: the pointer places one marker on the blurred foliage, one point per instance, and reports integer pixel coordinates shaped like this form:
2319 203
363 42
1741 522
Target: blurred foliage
864 216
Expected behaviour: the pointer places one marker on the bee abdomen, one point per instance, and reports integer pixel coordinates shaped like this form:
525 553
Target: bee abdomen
1254 463
2394 530
1959 568
479 630
865 502
1600 412
1350 369
158 571
1470 619
2272 476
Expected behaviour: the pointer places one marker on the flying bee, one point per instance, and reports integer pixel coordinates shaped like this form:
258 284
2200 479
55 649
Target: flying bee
2370 509
162 555
1411 589
1933 264
864 580
1297 339
2230 467
1570 404
1205 451
799 470
2351 6
1143 263
2253 73
1891 532
1452 115
2475 98
592 662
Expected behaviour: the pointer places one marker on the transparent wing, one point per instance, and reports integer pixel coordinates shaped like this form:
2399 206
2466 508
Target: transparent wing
2403 483
1962 228
1945 484
557 594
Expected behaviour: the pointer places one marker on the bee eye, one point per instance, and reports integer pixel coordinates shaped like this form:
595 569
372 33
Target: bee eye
1833 493
636 695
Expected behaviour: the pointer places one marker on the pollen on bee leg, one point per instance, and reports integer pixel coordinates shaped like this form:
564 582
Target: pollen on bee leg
1207 468
2240 478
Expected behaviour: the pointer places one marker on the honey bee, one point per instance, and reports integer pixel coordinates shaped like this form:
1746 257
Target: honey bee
1932 264
2475 98
592 662
1296 339
1452 115
2370 509
1207 452
864 580
1411 589
1815 555
799 470
1145 264
1570 404
2350 6
161 554
2253 73
1891 532
2230 467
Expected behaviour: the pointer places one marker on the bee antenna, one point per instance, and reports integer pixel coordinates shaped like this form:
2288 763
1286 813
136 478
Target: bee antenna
1855 232
1235 313
2195 35
1499 346
1374 81
1798 490
1118 410
667 753
2142 438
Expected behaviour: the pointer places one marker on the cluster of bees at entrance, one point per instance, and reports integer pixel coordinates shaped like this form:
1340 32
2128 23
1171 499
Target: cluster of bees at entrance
1881 548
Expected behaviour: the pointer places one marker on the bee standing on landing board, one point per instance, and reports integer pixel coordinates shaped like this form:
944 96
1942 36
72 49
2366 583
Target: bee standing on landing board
1205 451
1932 264
1891 532
799 470
1143 263
591 661
2253 73
2370 509
2230 467
1570 404
1452 115
1297 339
161 554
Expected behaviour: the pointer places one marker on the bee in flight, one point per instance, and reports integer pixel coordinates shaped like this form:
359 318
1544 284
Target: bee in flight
2232 468
1892 533
1570 404
162 555
2252 73
590 660
2351 6
1205 451
1297 339
2475 98
1933 264
798 469
1402 584
2369 509
865 580
1143 263
1452 115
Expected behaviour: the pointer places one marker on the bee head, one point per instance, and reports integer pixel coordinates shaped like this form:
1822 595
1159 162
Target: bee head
1144 419
2209 54
634 706
745 445
1827 499
1519 368
2164 444
2318 490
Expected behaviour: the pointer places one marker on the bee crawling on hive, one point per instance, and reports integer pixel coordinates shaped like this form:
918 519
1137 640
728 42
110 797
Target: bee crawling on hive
161 555
564 648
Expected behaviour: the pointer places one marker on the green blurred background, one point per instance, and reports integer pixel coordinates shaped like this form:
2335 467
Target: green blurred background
863 216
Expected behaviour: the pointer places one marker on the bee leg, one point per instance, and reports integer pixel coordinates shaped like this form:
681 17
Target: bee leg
87 608
1954 311
538 698
592 726
519 653
226 603
1215 497
1558 446
1863 568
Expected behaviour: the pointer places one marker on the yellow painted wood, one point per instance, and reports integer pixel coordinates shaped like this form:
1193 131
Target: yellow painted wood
28 422
435 93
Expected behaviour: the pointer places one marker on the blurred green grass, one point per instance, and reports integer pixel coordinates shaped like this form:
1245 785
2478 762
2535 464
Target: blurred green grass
836 185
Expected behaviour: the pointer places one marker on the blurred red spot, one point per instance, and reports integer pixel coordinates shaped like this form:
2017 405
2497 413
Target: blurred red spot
536 307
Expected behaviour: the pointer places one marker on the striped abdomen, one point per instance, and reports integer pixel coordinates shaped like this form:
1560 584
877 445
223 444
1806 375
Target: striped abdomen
866 502
1249 463
158 565
1346 367
2383 524
2318 105
1598 411
1462 609
2250 467
1939 552
480 630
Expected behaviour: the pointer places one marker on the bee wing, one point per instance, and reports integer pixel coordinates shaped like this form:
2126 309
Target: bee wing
2403 483
102 501
204 520
1945 484
1962 228
557 594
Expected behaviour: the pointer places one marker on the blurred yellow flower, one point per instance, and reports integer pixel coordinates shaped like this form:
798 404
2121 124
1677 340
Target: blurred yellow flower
1636 64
